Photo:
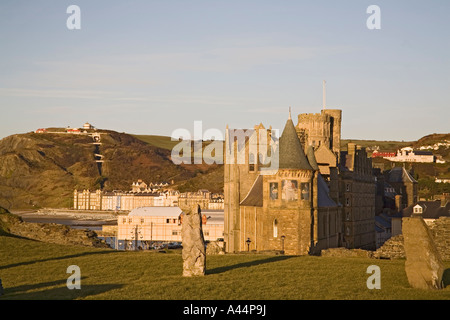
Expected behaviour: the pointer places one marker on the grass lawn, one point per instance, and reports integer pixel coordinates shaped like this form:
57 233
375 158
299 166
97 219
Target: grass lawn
36 270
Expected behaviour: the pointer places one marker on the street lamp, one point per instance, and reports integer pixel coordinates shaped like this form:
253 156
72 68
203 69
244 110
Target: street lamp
282 244
248 244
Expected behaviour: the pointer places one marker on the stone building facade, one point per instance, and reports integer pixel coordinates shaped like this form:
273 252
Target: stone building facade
357 195
125 201
287 210
320 197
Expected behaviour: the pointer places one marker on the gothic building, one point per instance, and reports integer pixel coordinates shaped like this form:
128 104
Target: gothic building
319 197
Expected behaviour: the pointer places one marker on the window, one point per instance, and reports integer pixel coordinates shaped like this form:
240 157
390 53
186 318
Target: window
124 220
347 187
347 201
289 190
304 187
251 162
275 228
142 220
167 220
273 186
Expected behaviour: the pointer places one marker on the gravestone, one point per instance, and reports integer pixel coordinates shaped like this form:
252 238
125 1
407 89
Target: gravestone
194 250
423 266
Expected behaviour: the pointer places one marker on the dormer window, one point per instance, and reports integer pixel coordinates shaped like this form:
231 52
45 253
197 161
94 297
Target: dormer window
417 209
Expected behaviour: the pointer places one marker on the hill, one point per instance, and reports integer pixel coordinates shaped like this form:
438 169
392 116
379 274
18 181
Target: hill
42 170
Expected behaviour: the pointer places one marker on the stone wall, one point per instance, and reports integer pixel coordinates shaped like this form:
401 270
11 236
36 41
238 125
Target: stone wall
346 253
440 229
392 249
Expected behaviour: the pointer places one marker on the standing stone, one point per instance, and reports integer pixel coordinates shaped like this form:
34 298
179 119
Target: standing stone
194 251
423 266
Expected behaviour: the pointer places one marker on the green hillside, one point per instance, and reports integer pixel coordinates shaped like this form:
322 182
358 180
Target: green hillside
162 142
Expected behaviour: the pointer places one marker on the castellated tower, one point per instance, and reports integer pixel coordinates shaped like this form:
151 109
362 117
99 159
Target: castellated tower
319 129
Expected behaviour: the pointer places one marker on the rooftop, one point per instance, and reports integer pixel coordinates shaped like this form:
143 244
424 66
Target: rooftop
155 212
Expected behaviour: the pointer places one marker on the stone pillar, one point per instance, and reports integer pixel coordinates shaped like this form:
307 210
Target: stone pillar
423 265
194 249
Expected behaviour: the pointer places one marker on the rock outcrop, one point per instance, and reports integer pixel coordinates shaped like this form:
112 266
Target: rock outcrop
48 232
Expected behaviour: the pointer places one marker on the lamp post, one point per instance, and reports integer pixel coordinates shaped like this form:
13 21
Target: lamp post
248 244
282 244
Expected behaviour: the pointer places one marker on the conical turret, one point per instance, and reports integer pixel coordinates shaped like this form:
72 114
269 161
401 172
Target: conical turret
292 155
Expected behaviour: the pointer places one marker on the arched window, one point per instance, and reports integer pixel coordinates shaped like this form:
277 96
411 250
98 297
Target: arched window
275 228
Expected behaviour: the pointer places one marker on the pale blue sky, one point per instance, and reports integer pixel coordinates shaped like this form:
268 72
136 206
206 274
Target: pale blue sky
150 67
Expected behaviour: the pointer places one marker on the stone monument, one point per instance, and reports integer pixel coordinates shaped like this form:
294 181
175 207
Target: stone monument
194 249
423 266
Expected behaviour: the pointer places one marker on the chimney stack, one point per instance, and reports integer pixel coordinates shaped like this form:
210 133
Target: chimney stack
398 203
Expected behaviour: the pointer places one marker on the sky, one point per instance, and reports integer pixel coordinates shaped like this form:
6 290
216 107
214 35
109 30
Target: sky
151 67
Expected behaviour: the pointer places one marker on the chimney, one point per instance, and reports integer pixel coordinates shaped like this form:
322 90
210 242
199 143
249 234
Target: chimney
398 203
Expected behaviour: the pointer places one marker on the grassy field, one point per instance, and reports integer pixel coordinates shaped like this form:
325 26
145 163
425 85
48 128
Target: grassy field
35 270
162 142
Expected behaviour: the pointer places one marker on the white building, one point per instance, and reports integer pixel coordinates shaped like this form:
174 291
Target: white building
164 224
407 154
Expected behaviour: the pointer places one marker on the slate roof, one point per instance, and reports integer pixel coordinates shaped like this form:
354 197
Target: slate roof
324 199
399 174
291 152
431 209
312 158
254 197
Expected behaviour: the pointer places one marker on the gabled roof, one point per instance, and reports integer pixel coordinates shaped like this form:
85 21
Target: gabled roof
254 197
399 174
291 153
